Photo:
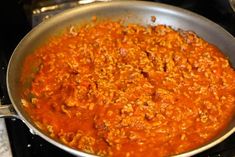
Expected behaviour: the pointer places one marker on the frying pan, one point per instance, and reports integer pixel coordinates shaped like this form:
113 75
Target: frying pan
131 12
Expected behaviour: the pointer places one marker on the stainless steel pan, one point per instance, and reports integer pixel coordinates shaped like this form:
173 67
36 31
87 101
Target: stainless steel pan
131 12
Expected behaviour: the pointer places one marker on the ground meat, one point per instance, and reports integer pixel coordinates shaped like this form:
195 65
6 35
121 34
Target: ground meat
116 90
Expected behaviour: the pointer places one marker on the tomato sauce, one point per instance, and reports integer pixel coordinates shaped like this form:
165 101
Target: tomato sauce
115 90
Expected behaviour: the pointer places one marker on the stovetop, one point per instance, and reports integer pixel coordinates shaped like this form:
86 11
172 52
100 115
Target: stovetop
19 18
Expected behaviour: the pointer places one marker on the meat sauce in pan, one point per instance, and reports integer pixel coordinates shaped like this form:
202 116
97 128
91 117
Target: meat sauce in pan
115 90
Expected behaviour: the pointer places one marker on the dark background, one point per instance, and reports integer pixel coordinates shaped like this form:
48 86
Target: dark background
16 17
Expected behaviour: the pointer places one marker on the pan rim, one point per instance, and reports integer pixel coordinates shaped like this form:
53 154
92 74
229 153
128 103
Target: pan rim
88 8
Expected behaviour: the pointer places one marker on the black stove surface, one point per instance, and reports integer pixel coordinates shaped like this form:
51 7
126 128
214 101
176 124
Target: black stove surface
17 22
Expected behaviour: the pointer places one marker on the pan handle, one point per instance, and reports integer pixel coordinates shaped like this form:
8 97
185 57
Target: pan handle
8 111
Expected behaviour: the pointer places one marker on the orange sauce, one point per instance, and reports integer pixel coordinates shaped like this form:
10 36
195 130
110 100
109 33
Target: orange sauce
115 90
